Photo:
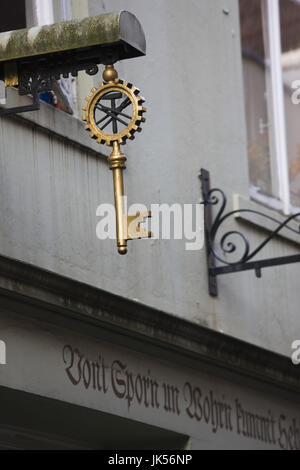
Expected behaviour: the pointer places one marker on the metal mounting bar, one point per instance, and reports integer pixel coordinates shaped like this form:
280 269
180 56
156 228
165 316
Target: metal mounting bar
217 248
35 106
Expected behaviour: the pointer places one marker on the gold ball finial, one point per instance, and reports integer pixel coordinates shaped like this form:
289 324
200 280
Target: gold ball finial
110 74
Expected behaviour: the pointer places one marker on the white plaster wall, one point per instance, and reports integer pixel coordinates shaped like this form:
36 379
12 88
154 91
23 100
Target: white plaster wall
49 190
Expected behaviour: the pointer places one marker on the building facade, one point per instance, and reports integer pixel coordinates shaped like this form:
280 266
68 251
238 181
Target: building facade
107 351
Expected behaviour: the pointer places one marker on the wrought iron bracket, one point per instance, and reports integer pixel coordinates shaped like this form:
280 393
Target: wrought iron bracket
34 80
219 246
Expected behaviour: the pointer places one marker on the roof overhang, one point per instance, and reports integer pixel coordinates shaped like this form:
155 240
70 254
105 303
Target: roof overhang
101 39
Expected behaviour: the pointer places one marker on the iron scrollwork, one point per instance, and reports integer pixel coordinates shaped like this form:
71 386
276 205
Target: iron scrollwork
220 249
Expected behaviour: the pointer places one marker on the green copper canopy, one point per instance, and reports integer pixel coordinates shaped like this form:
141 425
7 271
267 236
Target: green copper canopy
121 32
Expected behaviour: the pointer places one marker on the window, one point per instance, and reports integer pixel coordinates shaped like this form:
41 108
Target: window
290 60
67 86
13 15
270 36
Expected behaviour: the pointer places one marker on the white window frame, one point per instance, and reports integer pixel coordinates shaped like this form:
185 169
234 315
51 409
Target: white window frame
44 12
276 111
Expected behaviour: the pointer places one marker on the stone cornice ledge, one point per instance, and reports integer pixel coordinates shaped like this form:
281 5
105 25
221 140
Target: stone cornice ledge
71 299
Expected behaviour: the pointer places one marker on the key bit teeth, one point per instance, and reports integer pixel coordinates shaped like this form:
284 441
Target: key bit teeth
122 250
134 125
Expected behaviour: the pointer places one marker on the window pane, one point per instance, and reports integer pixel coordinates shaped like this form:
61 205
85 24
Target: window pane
290 36
13 15
255 91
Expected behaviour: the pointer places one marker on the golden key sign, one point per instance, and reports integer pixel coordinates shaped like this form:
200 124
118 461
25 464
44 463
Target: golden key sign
114 114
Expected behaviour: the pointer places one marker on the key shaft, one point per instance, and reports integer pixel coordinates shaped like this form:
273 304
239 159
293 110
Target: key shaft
117 163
